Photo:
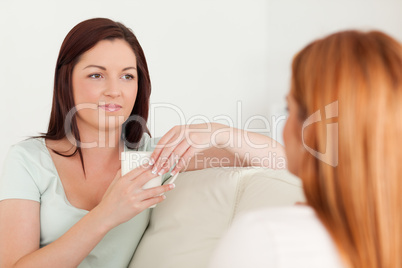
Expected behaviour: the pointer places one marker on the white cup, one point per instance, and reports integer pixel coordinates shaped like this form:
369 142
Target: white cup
133 159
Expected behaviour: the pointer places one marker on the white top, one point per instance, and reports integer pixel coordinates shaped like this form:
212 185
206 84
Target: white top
29 173
286 237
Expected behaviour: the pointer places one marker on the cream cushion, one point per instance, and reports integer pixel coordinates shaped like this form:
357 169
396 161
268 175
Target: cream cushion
186 227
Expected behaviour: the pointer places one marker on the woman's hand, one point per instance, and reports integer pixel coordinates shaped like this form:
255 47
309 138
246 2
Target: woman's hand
181 143
125 197
123 200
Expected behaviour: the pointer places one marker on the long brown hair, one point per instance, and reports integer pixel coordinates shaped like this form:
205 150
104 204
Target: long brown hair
81 38
359 200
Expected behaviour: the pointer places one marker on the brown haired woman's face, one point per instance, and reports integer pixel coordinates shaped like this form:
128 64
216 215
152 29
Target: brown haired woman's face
292 137
105 84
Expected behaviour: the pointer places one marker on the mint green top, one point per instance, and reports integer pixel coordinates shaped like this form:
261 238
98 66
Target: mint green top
29 173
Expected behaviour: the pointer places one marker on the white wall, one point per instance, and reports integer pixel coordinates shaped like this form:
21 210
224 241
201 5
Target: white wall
206 58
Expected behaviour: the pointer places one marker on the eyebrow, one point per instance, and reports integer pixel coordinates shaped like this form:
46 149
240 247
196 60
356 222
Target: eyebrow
103 68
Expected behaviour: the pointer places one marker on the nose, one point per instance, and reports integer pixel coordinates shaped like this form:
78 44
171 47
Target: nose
112 89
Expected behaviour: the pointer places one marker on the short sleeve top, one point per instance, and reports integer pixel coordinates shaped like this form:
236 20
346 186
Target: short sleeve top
29 173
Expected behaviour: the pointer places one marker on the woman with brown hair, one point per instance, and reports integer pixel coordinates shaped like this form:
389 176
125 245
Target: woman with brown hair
342 138
63 201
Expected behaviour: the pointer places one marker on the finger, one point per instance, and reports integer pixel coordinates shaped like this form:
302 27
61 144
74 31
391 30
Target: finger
184 161
153 201
163 142
143 178
165 168
136 172
164 154
156 191
170 154
173 160
170 140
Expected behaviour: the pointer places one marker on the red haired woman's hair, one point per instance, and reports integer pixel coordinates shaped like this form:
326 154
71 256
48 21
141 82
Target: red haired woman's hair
80 39
360 199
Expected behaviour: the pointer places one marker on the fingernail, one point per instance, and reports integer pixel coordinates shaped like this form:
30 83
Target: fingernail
161 172
151 162
154 170
164 196
172 185
173 172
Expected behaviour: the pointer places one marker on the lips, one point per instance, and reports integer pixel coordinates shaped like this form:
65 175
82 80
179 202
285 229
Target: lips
111 107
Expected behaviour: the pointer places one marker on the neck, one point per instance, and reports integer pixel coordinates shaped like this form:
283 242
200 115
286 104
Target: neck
103 143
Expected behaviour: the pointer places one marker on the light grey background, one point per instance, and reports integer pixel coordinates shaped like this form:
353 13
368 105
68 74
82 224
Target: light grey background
208 60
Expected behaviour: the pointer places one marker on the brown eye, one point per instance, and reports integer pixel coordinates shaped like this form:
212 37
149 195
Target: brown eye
96 76
128 77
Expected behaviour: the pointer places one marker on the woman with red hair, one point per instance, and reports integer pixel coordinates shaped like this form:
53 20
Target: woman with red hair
343 139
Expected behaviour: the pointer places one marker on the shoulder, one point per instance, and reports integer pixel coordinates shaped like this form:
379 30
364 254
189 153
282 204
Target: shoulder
282 215
298 224
30 156
282 223
23 170
29 143
27 149
289 236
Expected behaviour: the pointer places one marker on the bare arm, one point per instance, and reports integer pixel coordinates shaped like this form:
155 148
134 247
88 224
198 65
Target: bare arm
20 234
210 145
20 224
239 148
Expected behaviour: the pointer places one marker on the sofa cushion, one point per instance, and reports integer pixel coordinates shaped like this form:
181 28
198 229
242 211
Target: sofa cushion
186 227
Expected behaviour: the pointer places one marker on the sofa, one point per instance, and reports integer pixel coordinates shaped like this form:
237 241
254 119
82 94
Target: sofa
185 229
